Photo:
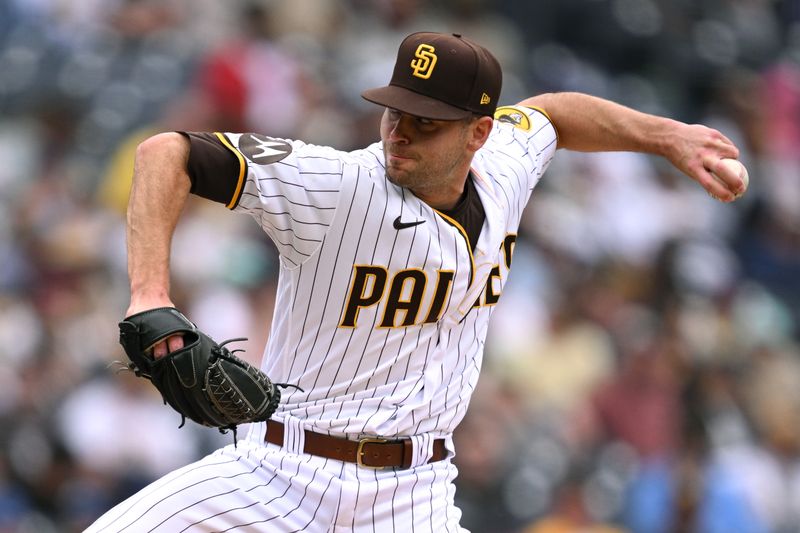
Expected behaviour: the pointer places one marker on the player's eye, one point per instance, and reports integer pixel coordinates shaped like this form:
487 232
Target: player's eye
424 121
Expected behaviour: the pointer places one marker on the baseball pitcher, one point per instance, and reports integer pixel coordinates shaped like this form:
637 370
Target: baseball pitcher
392 259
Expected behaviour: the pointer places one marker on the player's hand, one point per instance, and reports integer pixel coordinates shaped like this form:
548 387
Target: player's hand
168 345
696 151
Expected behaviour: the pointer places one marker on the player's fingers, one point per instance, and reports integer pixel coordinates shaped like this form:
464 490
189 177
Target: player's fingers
168 345
725 139
727 149
175 343
160 349
715 188
721 145
726 173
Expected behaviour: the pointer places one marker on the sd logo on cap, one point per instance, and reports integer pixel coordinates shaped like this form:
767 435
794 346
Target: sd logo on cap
441 76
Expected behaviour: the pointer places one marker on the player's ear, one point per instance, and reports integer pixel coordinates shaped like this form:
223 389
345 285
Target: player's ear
479 129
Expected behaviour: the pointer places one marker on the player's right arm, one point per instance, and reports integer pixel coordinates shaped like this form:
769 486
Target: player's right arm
590 124
159 191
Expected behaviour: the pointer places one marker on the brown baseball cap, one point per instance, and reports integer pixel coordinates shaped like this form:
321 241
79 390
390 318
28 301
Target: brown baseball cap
441 76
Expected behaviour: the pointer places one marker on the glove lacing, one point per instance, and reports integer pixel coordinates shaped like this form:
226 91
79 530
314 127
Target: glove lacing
218 352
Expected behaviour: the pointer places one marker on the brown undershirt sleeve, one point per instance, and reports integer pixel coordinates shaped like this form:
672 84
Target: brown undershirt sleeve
214 169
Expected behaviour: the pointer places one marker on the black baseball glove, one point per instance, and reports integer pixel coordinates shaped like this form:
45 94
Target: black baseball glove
203 381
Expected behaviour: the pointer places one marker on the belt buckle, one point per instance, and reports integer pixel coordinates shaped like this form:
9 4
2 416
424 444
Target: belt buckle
360 452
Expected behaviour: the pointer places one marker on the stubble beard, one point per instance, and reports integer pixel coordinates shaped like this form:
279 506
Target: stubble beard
424 175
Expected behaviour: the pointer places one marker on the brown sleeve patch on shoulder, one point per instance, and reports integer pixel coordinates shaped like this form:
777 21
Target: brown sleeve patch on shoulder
215 168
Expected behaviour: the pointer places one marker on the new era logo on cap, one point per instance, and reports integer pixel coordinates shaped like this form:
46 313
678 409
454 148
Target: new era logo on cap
441 76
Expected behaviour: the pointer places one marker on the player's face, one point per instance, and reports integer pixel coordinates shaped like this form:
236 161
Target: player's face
424 155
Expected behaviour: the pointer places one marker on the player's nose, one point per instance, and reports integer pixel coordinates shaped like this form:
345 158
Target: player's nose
399 129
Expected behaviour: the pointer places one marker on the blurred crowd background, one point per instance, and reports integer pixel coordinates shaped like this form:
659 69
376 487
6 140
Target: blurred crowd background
643 370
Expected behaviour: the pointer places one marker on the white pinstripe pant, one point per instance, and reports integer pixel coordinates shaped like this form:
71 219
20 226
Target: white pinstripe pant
263 488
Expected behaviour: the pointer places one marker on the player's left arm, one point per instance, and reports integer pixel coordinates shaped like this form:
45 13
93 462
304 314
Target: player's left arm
590 124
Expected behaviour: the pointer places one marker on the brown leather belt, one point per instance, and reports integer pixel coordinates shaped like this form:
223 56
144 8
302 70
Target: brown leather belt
368 452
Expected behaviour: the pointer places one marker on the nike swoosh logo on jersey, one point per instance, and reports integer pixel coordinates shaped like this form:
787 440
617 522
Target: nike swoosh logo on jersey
403 225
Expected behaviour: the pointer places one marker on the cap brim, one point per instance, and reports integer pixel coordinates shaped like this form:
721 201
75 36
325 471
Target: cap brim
413 103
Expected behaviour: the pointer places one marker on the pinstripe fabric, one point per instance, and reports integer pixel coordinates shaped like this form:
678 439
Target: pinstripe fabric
294 435
423 449
246 489
374 356
255 488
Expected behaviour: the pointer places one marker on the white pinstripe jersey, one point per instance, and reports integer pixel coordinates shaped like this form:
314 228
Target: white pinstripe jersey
383 328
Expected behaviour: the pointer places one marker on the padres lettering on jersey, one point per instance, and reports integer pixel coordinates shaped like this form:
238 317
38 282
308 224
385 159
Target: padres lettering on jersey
404 295
369 288
391 341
